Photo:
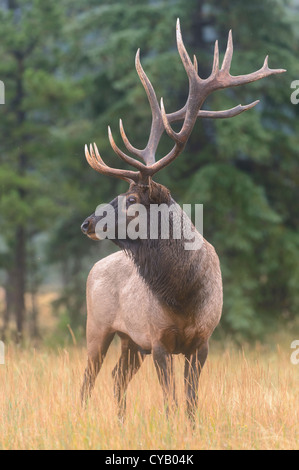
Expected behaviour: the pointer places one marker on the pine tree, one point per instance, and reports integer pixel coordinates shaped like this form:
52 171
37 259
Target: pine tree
36 101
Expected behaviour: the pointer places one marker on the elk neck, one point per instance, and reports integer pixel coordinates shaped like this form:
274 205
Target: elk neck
172 272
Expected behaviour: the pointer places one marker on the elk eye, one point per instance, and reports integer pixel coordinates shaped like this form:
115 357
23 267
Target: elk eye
131 200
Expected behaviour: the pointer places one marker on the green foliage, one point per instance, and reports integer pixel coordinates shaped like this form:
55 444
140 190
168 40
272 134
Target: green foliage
248 235
68 70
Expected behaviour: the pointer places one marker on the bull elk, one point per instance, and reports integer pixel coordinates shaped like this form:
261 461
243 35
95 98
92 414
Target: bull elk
157 296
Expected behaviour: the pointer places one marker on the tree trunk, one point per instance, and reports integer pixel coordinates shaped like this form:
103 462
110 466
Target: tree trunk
20 270
9 302
20 234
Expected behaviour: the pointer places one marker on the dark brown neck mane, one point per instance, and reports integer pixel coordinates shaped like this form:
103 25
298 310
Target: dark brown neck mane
171 272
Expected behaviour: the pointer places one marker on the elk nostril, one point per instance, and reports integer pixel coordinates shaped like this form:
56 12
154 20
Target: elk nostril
84 226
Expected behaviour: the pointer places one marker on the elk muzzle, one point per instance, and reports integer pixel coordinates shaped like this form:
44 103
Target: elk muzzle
88 227
85 226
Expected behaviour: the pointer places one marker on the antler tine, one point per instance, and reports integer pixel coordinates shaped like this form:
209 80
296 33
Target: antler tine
166 123
192 106
227 60
224 79
137 152
147 86
195 64
126 141
189 67
97 155
122 155
96 162
148 153
227 112
215 68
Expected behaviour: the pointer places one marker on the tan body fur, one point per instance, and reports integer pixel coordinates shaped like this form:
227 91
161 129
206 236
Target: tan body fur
159 297
118 300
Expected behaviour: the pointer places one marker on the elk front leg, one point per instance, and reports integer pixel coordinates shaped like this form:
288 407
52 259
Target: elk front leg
96 350
128 364
193 365
164 366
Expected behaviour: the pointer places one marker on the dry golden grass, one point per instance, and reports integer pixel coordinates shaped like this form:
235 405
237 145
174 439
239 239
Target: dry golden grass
247 400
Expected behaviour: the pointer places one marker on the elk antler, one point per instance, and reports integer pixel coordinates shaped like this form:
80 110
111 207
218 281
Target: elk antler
199 89
96 162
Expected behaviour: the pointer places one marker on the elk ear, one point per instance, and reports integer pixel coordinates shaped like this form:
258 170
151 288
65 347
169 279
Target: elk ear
158 194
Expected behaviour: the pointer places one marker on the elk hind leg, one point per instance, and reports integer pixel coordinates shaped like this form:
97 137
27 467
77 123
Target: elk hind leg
164 366
194 363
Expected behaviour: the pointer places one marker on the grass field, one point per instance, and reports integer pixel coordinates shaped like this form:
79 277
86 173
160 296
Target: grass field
247 400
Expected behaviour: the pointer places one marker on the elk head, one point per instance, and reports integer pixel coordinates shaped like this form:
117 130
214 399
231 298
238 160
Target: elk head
143 190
